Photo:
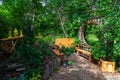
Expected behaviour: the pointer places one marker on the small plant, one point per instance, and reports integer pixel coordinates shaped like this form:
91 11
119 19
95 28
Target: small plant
56 69
33 74
70 63
67 50
35 77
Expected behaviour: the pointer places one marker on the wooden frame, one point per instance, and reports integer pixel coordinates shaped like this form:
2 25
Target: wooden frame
9 44
81 33
107 66
85 48
81 51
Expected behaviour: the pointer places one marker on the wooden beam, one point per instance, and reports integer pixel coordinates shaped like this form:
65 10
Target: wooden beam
83 51
57 52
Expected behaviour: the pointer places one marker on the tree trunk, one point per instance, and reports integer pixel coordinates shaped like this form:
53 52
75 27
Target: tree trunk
33 19
62 21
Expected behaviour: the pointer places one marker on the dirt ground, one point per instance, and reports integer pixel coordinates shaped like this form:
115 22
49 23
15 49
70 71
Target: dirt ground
82 69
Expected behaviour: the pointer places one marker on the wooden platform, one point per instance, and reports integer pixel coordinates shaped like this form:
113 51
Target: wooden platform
9 44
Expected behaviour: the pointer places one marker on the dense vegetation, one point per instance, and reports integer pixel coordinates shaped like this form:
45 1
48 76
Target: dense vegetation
45 20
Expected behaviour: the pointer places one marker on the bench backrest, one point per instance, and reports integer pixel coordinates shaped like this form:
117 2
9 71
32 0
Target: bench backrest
67 42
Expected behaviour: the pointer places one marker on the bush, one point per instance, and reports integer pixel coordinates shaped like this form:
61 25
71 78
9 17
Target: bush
67 50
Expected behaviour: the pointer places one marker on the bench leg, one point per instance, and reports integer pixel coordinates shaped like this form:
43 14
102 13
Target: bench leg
90 58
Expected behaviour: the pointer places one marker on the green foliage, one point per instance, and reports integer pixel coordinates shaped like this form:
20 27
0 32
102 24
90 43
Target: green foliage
33 54
36 77
107 32
59 18
70 63
116 51
67 50
29 54
76 41
91 39
98 51
56 69
28 32
33 74
91 34
44 47
5 17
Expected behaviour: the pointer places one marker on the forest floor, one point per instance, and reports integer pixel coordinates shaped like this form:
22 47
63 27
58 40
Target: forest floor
82 69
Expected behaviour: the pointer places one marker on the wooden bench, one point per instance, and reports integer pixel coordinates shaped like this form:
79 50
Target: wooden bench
84 53
67 42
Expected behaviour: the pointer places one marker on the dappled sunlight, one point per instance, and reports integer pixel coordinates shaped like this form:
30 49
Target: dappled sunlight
59 39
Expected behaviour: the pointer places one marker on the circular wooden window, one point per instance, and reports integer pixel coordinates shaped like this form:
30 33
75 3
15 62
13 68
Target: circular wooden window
81 33
90 34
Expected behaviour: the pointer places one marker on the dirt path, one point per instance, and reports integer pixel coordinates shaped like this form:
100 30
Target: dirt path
82 70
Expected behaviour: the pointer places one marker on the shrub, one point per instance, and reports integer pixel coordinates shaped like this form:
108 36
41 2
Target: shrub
67 50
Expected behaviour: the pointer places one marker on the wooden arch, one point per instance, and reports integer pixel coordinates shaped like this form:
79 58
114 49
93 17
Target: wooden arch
81 33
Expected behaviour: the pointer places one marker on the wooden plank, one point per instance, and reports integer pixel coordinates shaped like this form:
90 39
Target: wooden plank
57 52
67 42
11 38
85 56
83 51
